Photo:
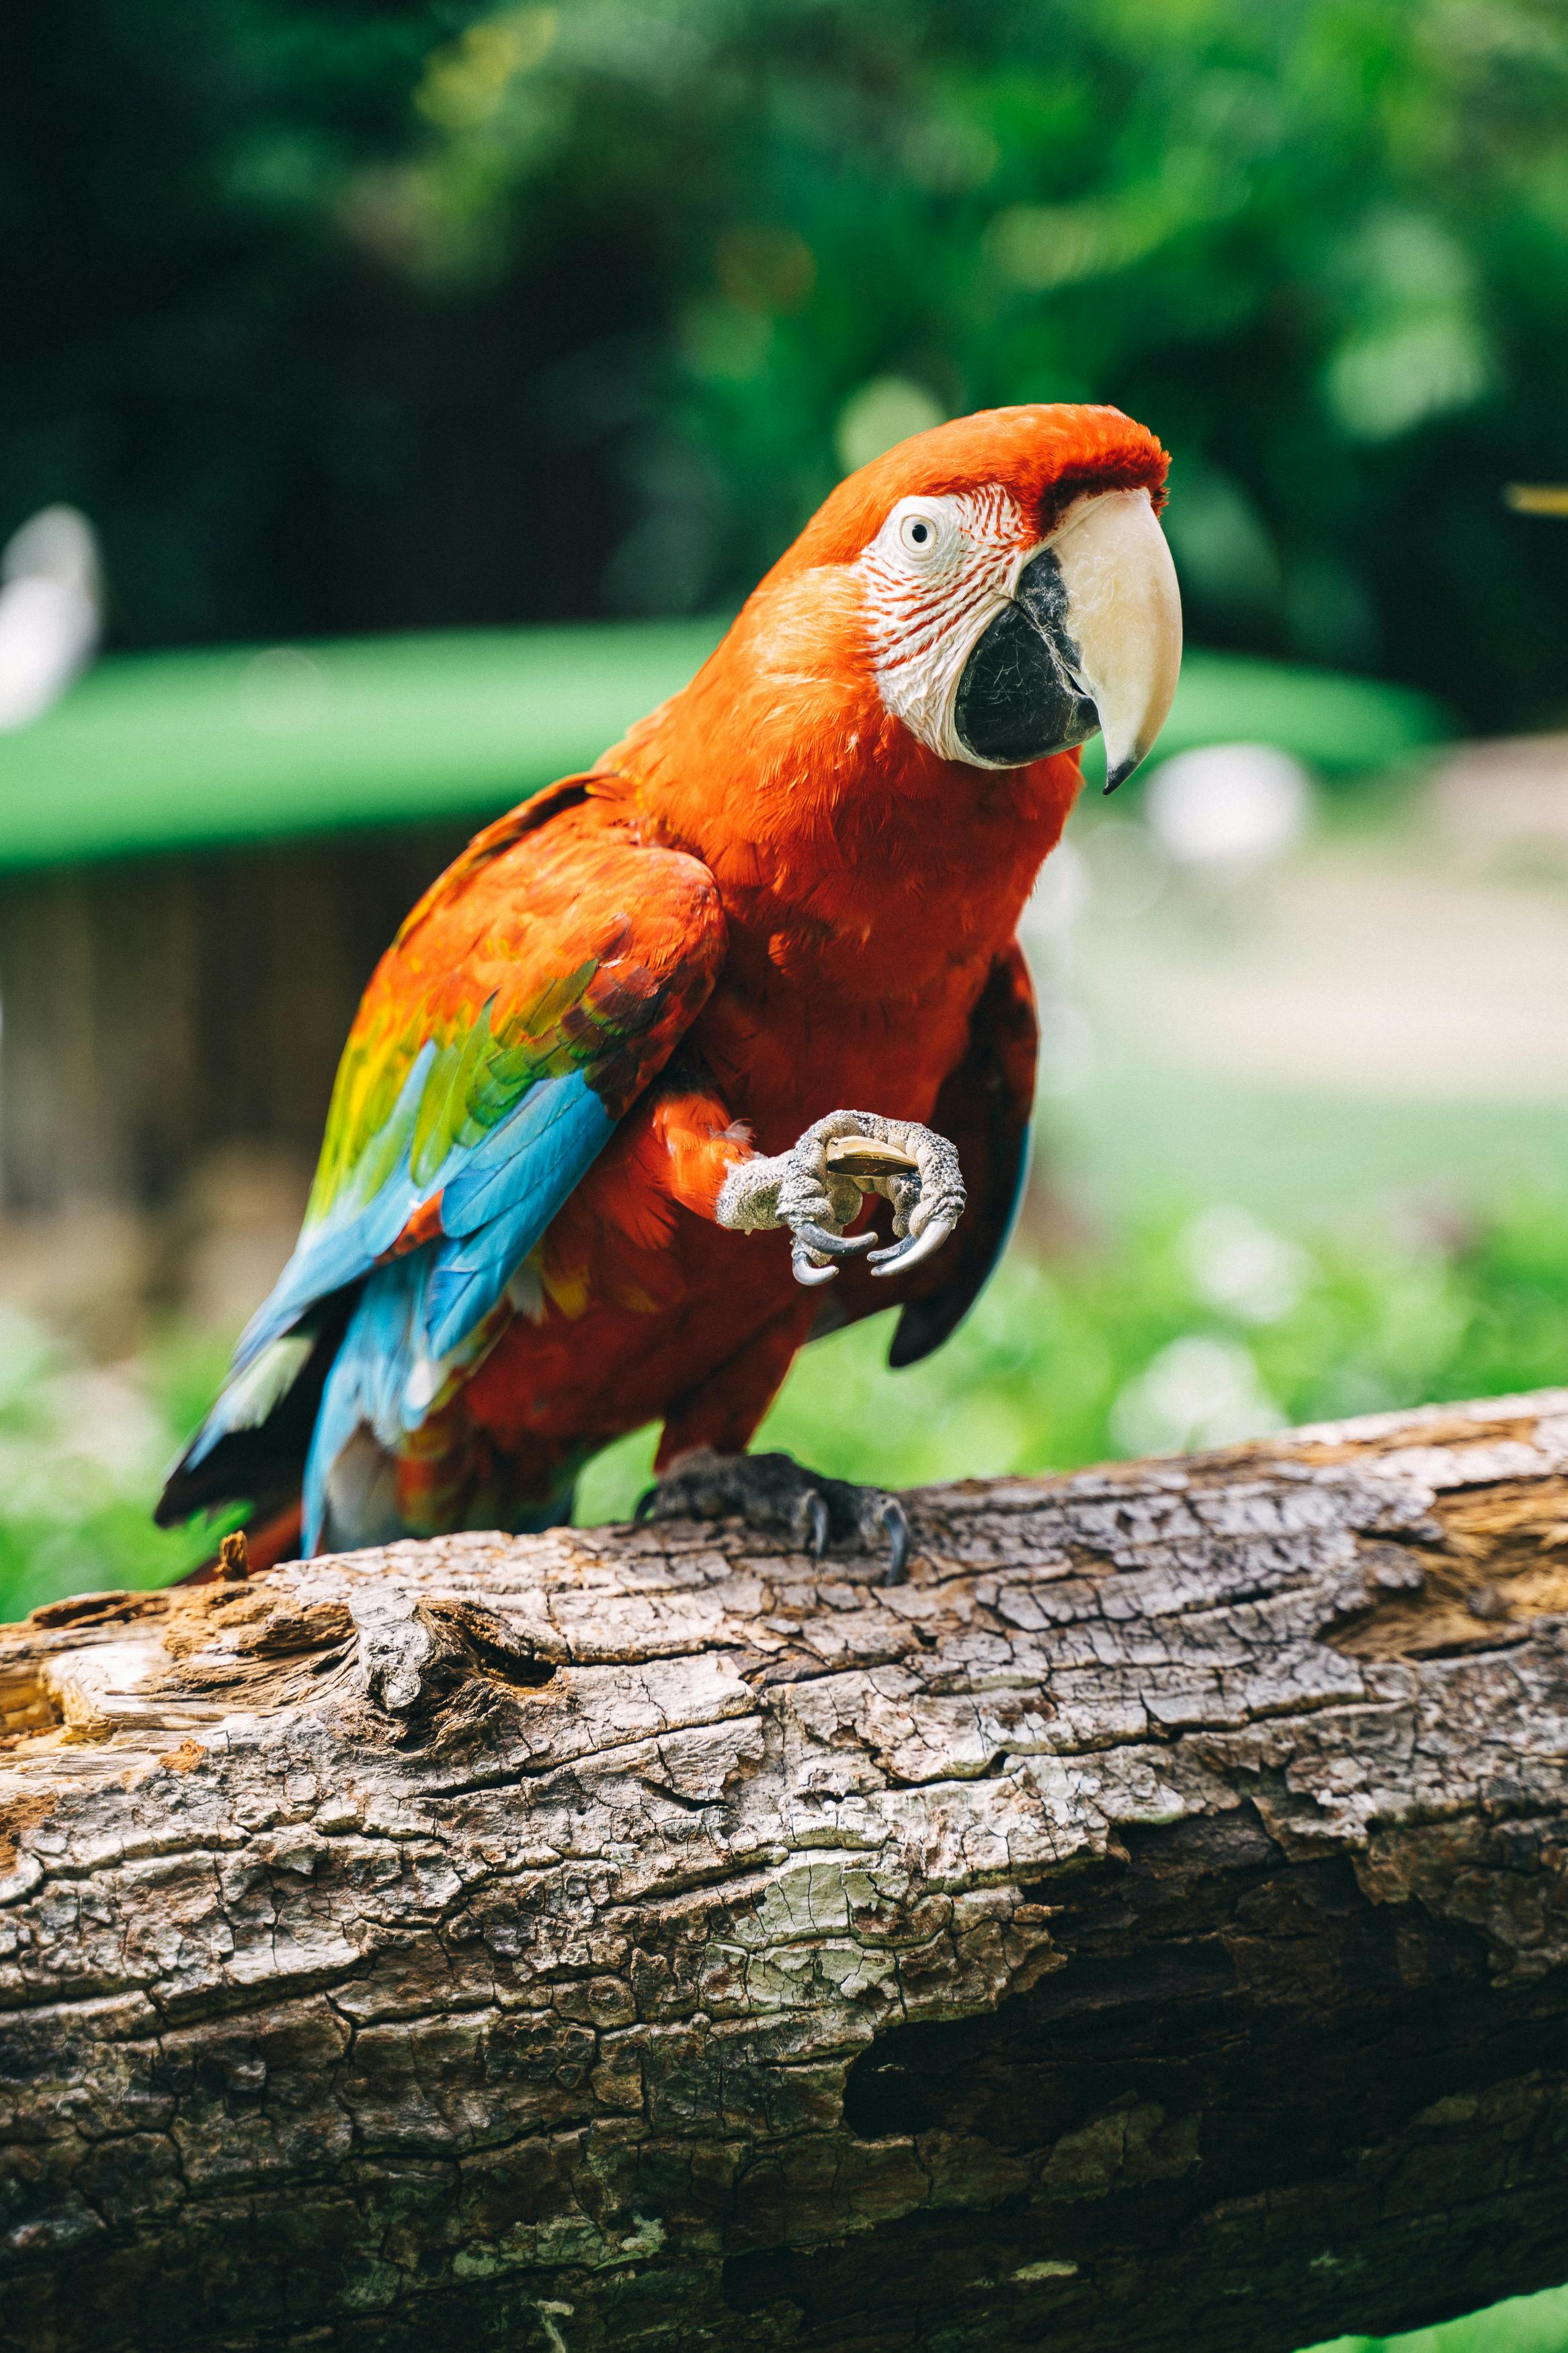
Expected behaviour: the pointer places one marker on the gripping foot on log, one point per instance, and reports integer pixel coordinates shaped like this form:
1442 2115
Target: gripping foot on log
779 1496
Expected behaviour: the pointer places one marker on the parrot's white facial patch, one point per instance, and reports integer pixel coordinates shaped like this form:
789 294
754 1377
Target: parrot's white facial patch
936 574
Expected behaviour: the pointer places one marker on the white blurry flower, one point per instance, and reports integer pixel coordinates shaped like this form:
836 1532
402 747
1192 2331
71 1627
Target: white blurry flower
1198 1391
1236 1263
1229 809
49 612
1058 898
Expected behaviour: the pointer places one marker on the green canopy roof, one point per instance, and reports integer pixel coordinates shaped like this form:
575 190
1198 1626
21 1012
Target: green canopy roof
154 752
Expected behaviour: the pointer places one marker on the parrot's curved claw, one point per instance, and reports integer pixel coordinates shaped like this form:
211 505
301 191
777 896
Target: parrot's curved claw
807 1270
813 1245
816 1195
777 1494
895 1521
913 1248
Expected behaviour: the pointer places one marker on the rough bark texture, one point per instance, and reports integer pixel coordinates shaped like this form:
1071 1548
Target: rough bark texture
1147 1926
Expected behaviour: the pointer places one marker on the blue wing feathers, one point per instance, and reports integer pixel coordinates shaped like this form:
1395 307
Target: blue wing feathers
415 1314
497 1130
548 1129
498 1215
500 1198
361 1230
368 1377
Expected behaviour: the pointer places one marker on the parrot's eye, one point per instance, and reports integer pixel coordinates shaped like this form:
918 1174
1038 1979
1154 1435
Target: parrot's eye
922 529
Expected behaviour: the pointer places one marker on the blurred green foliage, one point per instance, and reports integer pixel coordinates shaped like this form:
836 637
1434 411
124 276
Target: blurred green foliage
362 313
1191 1331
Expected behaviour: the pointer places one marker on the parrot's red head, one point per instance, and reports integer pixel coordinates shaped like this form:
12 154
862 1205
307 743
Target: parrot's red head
1014 590
892 696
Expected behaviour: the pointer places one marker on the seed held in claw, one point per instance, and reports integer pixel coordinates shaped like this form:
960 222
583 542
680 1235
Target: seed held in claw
862 1155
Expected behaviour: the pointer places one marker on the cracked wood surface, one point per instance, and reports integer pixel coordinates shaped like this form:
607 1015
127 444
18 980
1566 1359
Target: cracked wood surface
1149 1922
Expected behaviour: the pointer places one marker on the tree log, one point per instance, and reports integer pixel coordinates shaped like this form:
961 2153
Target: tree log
1149 1925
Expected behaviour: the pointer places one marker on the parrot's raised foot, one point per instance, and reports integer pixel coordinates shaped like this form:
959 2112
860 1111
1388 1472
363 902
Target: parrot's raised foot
815 1188
778 1496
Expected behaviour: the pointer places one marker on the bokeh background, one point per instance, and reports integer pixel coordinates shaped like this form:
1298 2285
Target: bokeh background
396 398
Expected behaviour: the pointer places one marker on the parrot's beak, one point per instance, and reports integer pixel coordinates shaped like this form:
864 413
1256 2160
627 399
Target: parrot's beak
1091 638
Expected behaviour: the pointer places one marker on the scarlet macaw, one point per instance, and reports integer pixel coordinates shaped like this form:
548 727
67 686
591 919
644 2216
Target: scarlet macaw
610 1047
